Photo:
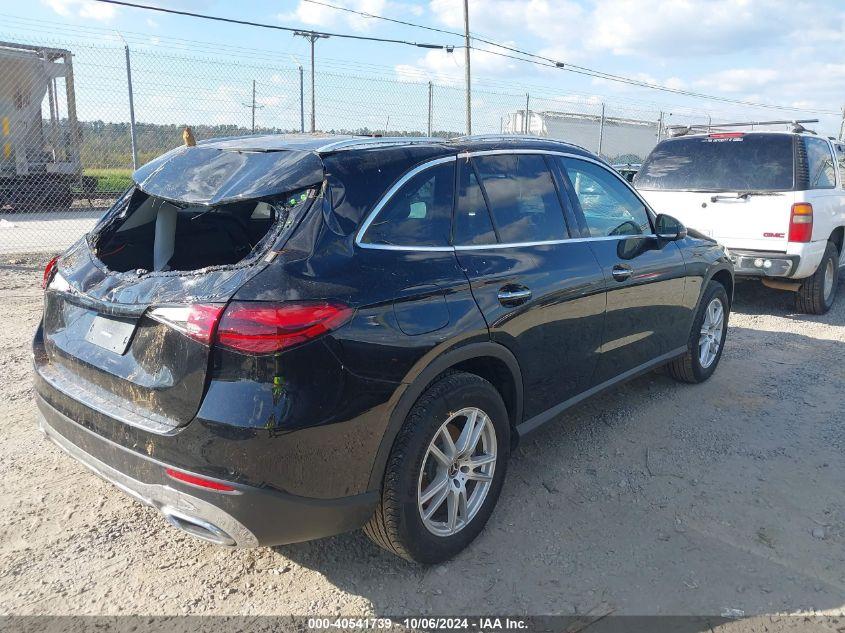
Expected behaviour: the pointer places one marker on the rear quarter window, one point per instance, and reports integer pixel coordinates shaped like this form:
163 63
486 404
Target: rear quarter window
419 213
821 172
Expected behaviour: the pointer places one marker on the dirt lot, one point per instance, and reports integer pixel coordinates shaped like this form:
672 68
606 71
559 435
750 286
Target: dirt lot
657 498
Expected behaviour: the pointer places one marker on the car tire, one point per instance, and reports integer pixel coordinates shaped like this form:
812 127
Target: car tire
398 524
699 362
818 292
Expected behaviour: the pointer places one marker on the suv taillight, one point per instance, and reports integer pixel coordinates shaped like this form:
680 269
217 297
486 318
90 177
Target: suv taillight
197 321
259 327
254 327
801 222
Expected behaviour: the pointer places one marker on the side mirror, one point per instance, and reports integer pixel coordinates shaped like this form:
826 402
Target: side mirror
669 228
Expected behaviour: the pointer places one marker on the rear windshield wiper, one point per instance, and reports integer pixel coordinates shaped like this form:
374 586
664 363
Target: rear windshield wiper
744 195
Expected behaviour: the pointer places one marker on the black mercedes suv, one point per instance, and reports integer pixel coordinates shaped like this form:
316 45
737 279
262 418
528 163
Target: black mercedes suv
273 339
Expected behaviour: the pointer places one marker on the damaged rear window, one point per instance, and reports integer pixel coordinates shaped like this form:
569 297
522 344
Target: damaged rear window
151 233
204 206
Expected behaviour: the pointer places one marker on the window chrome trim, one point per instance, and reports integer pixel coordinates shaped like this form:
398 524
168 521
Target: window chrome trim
571 240
475 247
359 237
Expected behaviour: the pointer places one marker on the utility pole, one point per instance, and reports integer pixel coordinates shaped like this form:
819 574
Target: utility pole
301 102
842 126
601 130
133 138
312 37
253 106
430 105
468 75
526 124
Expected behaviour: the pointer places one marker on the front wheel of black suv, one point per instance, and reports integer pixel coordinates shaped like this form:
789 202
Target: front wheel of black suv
707 337
817 293
445 471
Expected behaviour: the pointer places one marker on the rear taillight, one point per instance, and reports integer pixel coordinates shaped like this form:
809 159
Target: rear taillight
254 327
262 328
201 482
197 321
49 269
801 222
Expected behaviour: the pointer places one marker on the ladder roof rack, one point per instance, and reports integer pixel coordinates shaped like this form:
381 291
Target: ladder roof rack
796 125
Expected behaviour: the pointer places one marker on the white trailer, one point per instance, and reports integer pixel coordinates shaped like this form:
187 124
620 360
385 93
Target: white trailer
39 155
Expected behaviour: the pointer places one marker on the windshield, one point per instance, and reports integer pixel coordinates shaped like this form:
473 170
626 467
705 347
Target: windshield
720 162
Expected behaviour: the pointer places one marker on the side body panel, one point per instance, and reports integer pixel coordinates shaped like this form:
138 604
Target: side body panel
646 313
557 333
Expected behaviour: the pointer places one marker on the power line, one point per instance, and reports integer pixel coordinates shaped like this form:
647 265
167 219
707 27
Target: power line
276 27
386 19
255 53
192 46
634 82
581 70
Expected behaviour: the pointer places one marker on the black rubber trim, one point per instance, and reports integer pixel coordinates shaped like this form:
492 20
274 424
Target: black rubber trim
539 420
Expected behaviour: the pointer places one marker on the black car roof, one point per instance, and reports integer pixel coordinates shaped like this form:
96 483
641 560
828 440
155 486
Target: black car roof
331 144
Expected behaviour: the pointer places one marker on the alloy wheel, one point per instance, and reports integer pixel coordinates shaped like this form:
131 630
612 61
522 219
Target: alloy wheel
829 274
457 471
710 340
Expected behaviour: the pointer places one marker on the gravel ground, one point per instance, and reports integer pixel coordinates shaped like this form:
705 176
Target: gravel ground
656 498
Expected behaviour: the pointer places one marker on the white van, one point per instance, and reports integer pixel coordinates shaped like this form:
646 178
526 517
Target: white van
774 199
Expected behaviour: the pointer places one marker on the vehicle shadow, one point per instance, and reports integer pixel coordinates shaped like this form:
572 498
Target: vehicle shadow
655 498
753 298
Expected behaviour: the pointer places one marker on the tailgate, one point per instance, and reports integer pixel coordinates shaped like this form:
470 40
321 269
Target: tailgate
102 348
129 367
756 222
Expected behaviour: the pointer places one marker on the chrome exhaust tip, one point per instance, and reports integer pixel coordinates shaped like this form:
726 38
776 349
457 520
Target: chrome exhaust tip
197 527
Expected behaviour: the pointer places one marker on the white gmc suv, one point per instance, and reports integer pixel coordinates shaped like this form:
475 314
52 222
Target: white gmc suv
775 200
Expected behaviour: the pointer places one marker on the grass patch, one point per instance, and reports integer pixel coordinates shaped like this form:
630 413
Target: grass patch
110 180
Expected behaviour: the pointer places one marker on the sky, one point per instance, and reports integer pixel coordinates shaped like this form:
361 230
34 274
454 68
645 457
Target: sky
771 51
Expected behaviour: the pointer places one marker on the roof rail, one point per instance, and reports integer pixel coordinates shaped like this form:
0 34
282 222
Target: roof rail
375 141
682 130
505 137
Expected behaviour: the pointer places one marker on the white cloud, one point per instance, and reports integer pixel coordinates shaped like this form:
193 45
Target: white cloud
739 79
87 9
555 23
688 28
316 15
448 68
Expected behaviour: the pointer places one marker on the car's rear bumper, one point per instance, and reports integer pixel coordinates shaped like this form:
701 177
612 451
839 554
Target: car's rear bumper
247 517
763 263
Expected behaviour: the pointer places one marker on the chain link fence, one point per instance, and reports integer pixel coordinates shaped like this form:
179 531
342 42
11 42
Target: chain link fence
77 119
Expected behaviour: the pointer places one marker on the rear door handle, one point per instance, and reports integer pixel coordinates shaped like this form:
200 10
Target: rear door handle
510 296
621 273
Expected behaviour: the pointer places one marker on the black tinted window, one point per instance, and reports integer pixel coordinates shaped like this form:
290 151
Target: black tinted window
720 162
820 164
609 206
472 220
522 197
420 213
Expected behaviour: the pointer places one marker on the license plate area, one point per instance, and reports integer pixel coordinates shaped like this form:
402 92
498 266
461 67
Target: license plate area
113 334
